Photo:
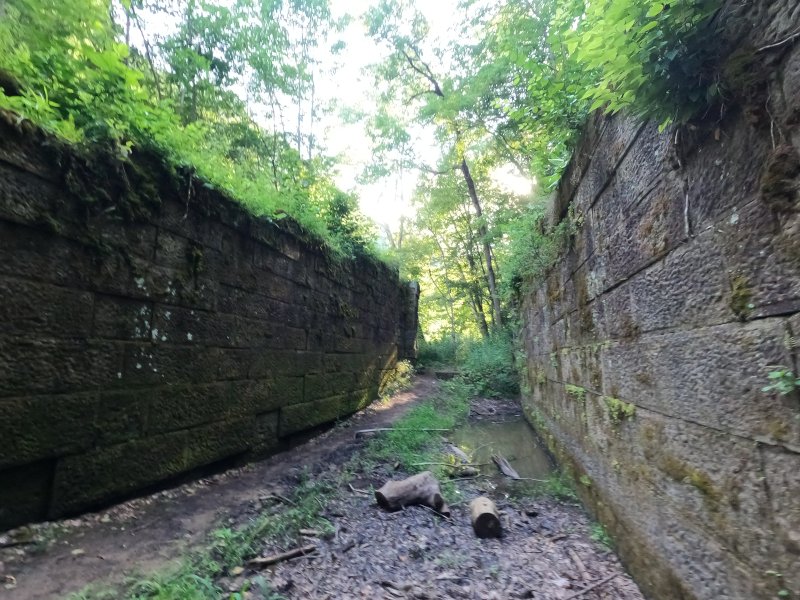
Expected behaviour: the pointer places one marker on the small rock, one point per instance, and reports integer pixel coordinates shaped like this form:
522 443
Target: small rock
78 552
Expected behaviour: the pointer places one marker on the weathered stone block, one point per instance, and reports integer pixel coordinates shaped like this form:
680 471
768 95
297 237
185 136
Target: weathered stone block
299 417
326 385
33 366
122 416
121 319
262 395
38 427
86 480
216 441
270 363
24 493
32 309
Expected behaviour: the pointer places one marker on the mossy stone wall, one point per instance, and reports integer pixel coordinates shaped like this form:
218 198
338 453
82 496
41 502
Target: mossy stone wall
150 326
650 342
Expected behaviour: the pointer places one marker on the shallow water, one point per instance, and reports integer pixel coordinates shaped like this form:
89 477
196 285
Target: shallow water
513 438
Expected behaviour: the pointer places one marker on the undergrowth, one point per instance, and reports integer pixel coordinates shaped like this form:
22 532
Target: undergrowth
194 578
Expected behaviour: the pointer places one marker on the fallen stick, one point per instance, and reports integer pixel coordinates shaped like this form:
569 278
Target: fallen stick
378 429
505 468
579 563
265 561
591 587
452 466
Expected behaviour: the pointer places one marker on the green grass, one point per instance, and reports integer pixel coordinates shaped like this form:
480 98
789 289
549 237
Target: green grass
194 578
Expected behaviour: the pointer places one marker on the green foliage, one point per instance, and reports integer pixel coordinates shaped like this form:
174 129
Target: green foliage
533 249
656 59
576 392
195 578
599 534
619 410
437 352
488 366
783 381
398 379
79 81
407 443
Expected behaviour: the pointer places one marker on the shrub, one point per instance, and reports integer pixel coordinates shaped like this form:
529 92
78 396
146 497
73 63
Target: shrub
488 366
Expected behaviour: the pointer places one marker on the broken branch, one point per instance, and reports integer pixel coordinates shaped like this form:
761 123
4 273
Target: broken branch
591 587
265 561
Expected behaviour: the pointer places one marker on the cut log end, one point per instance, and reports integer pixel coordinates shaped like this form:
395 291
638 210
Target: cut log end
485 518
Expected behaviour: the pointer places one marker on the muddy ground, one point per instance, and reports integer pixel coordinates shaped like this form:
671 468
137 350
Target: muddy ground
546 551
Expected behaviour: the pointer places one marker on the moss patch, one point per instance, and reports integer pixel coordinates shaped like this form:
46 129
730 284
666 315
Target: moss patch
740 297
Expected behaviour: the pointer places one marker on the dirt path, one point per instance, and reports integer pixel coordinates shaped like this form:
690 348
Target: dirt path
546 551
147 534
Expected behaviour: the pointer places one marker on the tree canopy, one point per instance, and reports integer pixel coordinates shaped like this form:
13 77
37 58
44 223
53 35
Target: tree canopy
227 89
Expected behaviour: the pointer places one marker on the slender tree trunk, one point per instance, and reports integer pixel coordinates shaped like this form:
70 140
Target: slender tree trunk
497 318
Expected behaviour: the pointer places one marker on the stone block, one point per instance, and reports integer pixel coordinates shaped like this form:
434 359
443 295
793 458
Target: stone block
151 364
271 363
88 480
24 493
37 427
717 184
688 288
328 384
182 406
714 376
36 366
33 309
216 441
266 434
762 253
33 254
179 325
262 395
122 416
300 417
121 318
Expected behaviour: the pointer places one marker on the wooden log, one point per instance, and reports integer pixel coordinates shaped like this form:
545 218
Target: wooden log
265 561
485 519
504 466
422 488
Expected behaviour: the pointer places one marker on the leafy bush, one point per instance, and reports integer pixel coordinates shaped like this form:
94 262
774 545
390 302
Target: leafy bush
442 351
488 366
77 80
397 379
656 59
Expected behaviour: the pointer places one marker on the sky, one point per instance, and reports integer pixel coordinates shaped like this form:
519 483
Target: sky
388 200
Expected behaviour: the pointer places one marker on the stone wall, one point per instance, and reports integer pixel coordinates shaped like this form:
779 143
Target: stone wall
150 326
650 342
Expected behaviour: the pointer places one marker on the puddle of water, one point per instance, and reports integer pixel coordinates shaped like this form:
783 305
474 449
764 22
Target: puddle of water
513 438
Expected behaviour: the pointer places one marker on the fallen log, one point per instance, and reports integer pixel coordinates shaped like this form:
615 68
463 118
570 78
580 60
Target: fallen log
265 561
422 488
505 468
485 519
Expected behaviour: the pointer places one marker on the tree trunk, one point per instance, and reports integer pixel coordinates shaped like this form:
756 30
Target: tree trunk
497 318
